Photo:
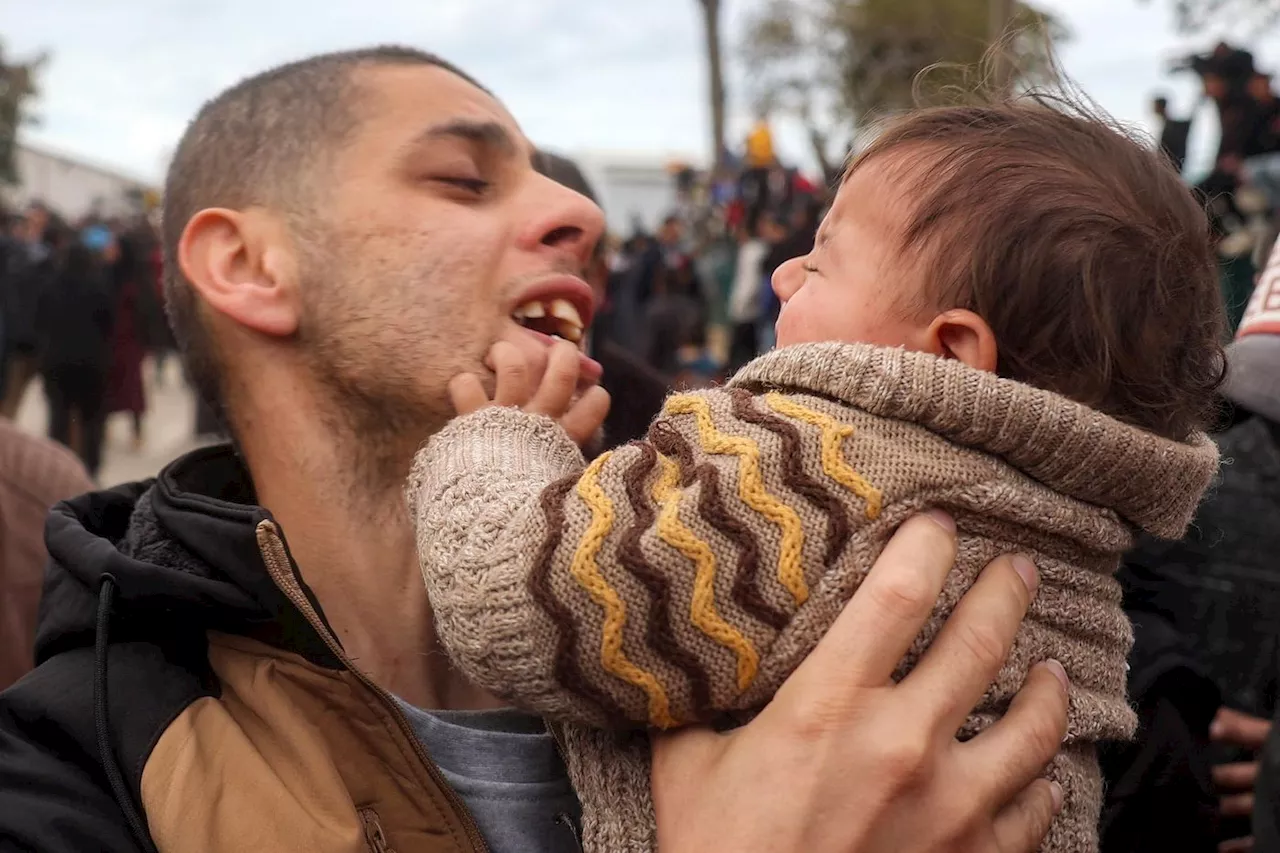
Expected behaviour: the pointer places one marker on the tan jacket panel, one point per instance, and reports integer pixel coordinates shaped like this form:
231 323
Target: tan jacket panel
292 757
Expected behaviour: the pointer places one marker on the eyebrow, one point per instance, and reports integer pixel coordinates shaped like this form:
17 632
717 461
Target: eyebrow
488 134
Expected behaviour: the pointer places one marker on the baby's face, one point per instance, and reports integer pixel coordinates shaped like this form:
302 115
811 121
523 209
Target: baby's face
855 286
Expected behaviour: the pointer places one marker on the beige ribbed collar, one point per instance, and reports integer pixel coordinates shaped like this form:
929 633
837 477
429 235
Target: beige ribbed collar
1152 482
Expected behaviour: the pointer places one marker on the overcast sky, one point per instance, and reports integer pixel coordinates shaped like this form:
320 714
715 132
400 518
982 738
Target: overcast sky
126 75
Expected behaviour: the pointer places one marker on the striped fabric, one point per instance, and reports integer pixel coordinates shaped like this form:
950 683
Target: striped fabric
683 578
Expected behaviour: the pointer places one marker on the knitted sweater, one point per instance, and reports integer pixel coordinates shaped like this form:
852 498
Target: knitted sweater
682 579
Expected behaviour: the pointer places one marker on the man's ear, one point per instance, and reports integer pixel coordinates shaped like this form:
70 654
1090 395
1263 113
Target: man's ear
964 336
243 265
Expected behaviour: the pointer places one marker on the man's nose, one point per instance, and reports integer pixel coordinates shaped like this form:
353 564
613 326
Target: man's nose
788 278
566 221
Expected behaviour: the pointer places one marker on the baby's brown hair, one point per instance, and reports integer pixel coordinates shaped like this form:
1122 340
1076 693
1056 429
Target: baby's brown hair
1082 249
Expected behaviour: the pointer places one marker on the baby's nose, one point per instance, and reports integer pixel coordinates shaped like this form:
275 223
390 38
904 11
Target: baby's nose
788 278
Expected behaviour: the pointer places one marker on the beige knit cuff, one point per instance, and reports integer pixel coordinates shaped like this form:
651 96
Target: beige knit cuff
521 446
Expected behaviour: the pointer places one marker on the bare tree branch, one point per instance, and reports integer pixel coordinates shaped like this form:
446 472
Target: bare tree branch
834 63
1252 16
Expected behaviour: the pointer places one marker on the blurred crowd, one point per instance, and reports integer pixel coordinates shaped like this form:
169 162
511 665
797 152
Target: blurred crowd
693 300
688 302
80 308
1242 188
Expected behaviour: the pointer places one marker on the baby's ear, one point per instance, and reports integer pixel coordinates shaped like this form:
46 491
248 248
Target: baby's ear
964 336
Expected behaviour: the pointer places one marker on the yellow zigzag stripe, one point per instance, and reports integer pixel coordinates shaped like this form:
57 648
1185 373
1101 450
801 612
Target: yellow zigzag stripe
587 573
703 610
833 436
751 490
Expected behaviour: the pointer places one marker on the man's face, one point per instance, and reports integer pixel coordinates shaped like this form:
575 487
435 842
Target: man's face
434 238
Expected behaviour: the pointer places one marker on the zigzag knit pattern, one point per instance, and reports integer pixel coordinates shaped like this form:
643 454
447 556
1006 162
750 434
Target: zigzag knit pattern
683 578
672 487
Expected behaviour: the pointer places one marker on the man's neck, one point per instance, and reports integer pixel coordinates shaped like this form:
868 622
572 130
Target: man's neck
354 546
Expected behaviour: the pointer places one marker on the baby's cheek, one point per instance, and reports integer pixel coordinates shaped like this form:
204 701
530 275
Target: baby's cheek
795 322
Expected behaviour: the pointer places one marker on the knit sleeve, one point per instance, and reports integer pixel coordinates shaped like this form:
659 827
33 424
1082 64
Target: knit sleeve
647 588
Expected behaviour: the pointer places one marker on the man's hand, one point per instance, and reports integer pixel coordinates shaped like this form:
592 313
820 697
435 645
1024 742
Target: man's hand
1237 780
556 396
845 761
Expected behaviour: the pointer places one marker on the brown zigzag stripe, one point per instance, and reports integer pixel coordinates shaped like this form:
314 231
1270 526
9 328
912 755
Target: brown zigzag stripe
658 632
745 592
567 670
838 528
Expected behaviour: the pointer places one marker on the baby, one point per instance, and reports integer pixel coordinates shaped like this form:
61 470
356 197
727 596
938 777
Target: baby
1011 314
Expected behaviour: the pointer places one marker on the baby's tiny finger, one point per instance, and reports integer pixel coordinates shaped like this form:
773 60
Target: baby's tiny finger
467 393
509 367
586 416
555 393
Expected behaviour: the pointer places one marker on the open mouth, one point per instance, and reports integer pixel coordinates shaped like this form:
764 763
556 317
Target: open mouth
557 318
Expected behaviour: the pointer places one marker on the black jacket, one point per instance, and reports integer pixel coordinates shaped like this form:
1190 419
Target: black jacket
127 601
166 605
1219 586
76 315
26 274
1159 796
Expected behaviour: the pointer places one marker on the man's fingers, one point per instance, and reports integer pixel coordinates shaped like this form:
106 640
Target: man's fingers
558 382
467 393
585 417
1015 750
1241 776
1239 729
1237 805
1236 845
1023 823
875 629
973 644
508 365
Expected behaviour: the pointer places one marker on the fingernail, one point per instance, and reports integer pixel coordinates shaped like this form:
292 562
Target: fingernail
1027 571
1216 730
1059 673
1055 791
942 519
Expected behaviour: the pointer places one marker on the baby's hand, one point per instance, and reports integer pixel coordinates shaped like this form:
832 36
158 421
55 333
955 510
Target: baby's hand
554 397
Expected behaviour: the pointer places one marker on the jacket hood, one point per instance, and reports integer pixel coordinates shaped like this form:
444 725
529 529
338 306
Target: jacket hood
182 552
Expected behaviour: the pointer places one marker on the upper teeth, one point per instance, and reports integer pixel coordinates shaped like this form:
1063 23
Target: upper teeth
562 309
530 310
570 325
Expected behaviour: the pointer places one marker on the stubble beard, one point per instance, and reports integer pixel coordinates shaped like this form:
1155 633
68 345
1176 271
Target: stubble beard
373 391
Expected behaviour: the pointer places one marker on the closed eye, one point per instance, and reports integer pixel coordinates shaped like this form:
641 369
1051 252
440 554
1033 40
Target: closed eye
473 185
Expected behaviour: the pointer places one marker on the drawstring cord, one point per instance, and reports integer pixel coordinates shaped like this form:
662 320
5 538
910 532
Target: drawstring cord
566 820
106 591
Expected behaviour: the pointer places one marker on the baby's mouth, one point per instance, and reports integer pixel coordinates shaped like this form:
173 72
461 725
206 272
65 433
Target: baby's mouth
557 318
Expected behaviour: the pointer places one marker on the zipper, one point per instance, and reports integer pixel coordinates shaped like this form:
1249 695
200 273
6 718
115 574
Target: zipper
373 834
280 568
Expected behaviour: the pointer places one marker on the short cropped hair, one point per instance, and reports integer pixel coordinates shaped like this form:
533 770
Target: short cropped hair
1081 247
259 143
